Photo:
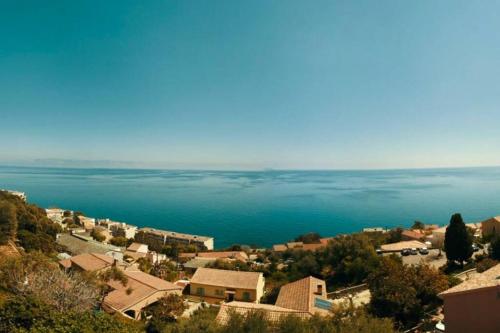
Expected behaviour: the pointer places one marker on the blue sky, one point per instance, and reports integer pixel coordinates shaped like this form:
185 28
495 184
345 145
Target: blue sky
250 84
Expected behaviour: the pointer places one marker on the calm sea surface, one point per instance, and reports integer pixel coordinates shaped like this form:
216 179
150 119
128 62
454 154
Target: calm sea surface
263 207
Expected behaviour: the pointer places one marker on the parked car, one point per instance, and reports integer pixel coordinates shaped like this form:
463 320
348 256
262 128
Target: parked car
379 251
423 251
405 252
413 251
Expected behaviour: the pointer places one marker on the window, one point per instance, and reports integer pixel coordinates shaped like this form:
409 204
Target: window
219 292
200 291
246 296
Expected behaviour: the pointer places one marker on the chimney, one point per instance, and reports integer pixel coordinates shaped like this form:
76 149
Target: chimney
319 290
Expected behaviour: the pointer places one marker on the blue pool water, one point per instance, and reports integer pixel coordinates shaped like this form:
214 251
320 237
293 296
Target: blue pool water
263 207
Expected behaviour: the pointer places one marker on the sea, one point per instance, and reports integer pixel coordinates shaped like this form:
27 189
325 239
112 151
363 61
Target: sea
262 208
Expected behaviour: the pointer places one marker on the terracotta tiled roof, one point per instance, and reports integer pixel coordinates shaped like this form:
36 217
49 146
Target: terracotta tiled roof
65 263
134 255
312 247
486 279
225 278
300 295
139 286
271 312
91 261
412 234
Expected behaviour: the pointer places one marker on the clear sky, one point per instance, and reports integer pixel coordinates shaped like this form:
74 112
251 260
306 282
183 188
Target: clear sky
250 84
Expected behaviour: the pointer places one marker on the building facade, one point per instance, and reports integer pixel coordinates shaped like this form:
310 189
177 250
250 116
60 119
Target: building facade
216 285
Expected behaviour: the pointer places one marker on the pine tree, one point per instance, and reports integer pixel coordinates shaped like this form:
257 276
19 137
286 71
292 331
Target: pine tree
457 241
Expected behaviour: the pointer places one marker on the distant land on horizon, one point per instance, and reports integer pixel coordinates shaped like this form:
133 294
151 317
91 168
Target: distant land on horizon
135 165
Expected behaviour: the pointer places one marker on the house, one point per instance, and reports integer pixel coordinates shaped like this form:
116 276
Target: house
217 285
88 223
436 238
118 229
408 235
474 305
303 298
88 262
306 295
491 226
140 291
158 238
138 250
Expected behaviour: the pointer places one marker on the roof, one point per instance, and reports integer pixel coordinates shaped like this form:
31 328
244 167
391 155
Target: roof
134 247
77 244
239 255
495 219
403 245
412 234
226 278
65 263
300 295
271 312
486 279
312 247
198 262
135 255
91 261
139 286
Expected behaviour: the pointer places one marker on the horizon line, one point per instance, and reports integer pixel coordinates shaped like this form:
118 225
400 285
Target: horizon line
264 169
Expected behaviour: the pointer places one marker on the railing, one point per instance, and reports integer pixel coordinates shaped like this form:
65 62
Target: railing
342 292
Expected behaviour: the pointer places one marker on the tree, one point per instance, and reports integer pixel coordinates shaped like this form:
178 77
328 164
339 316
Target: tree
165 311
119 241
97 235
495 248
31 274
404 292
418 225
309 238
8 222
395 235
457 241
351 259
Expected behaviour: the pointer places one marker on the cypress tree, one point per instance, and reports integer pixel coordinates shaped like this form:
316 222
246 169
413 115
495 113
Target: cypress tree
457 240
